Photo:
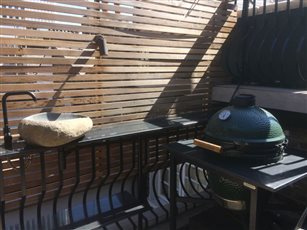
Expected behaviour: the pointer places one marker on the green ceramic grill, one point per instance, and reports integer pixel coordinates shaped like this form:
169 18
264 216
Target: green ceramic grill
243 133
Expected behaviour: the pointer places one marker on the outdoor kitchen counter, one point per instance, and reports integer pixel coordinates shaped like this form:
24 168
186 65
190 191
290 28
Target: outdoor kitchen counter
271 177
115 131
104 209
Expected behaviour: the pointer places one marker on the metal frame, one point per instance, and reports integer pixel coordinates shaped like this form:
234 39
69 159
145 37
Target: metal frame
107 211
252 178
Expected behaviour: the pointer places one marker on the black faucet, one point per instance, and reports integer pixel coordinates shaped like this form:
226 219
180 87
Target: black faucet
6 129
102 44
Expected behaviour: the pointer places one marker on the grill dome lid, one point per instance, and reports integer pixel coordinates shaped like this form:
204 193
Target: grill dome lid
243 122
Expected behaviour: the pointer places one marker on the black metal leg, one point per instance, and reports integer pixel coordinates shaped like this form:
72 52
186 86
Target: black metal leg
43 190
253 207
88 186
173 192
302 219
104 179
2 200
74 188
23 192
140 182
60 187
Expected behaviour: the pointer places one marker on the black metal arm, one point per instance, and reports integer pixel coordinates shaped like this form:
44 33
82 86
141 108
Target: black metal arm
6 128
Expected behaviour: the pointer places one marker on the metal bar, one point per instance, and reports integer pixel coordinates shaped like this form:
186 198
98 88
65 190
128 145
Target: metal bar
284 54
300 46
132 223
167 137
131 168
145 151
144 176
106 220
276 8
254 8
156 195
146 222
195 130
245 8
133 184
187 132
23 192
206 177
104 178
127 176
173 192
2 200
154 164
43 190
118 225
288 8
163 184
200 183
154 181
177 134
73 190
165 165
115 179
88 186
253 208
301 220
60 186
191 182
140 180
117 175
196 200
183 186
248 40
181 181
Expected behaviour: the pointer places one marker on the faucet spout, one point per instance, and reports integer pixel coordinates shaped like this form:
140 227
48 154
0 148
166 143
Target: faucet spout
102 44
6 129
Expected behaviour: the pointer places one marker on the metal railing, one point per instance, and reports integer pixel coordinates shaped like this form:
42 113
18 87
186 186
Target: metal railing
267 45
120 179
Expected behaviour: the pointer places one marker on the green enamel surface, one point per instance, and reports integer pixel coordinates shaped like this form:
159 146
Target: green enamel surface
227 188
248 124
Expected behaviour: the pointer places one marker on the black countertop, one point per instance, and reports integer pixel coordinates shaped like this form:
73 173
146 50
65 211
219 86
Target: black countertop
115 131
272 177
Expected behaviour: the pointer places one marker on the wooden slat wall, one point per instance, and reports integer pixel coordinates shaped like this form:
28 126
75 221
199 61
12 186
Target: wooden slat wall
163 56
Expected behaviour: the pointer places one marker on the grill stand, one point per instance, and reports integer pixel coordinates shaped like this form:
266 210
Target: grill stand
277 176
253 205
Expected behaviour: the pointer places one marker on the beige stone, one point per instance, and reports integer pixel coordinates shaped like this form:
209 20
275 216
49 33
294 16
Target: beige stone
53 129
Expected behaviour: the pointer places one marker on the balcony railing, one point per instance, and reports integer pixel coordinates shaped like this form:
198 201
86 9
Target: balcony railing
115 175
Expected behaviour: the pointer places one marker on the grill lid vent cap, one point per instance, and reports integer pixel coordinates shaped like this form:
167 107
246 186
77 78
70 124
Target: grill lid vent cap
244 100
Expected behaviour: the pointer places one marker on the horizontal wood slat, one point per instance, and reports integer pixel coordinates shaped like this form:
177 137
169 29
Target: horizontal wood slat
162 55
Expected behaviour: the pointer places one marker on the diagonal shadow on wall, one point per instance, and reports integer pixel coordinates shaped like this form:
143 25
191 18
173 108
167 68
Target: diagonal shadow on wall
184 102
74 70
